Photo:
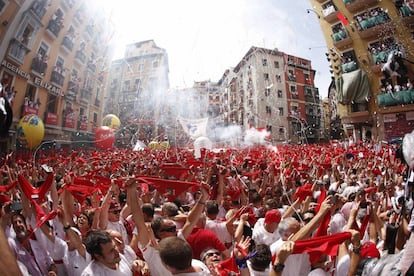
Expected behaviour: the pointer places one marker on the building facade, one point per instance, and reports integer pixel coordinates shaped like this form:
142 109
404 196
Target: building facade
54 55
272 90
138 90
370 48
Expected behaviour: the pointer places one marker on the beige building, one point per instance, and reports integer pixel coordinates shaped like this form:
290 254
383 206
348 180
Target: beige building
138 90
54 56
369 46
272 90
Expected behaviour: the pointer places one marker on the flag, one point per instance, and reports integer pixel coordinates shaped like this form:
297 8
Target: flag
343 19
194 128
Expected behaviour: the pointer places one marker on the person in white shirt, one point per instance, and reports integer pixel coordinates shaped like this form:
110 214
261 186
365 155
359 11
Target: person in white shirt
265 229
30 251
223 229
295 264
106 258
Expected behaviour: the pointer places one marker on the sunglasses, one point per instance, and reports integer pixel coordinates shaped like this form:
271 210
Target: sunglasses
170 229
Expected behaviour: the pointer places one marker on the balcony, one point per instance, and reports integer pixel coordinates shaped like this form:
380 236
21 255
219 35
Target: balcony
68 4
79 16
396 98
67 43
407 16
85 95
80 56
330 14
73 87
349 67
39 66
39 8
18 50
89 30
341 40
54 27
70 96
92 66
291 78
358 5
374 26
57 78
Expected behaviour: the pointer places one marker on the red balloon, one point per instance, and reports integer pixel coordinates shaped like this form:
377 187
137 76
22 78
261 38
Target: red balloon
104 137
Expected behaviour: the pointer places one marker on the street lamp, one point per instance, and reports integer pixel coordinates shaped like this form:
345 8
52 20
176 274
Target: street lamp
311 10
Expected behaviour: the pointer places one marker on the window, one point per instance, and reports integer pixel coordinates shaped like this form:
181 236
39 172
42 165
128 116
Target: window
269 128
43 49
155 64
140 67
28 30
51 104
281 130
267 92
95 118
25 36
137 84
39 62
276 64
278 78
3 5
59 63
266 76
126 85
293 89
30 96
268 110
307 77
279 93
264 62
280 111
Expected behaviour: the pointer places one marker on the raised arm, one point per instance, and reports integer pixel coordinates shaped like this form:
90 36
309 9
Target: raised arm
306 231
196 211
137 215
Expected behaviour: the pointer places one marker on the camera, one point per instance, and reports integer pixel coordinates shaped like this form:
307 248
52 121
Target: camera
16 206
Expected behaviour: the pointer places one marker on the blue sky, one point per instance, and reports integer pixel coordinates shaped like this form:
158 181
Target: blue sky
204 38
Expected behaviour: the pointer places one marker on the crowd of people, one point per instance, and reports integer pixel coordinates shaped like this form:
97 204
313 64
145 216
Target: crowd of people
334 209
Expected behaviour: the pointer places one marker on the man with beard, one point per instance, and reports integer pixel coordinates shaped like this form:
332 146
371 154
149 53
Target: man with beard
106 257
28 249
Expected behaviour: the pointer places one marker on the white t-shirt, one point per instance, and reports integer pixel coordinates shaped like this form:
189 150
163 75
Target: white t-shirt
220 229
76 263
258 273
261 236
96 268
157 268
119 227
295 264
337 223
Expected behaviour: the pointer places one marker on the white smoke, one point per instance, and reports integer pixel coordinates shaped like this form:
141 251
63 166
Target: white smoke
255 137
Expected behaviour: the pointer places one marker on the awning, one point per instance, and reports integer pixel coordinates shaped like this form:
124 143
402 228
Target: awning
353 87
